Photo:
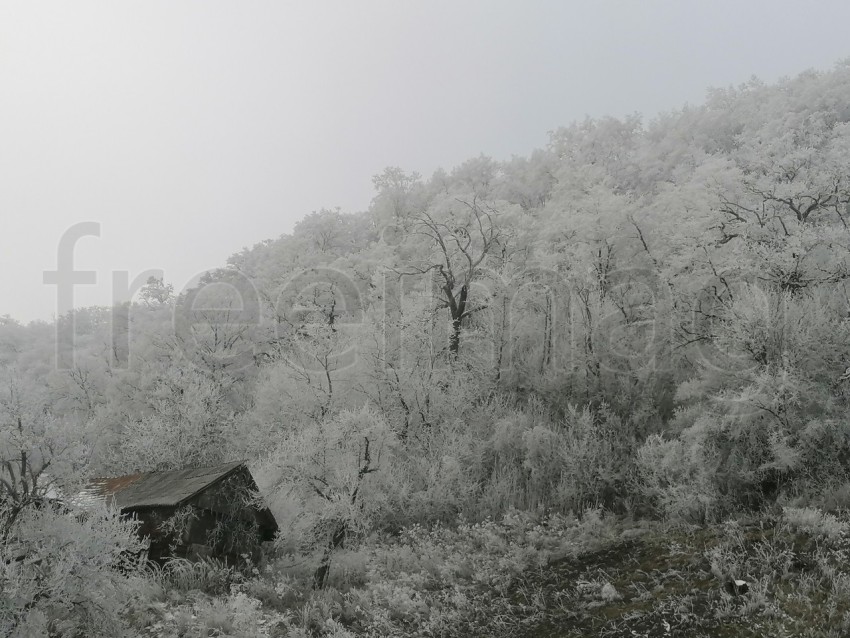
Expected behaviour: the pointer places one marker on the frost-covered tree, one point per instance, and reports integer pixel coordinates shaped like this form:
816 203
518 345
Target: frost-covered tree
341 477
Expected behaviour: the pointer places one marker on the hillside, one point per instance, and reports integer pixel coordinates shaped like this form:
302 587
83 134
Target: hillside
530 396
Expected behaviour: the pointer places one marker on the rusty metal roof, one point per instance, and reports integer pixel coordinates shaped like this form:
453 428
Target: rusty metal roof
154 489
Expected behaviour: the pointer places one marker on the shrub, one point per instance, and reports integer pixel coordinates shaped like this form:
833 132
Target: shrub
814 522
67 573
676 477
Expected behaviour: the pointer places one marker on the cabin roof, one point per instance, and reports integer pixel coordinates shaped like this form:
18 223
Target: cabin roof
155 489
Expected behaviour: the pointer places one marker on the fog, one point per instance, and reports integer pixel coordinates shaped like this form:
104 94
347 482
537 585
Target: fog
189 130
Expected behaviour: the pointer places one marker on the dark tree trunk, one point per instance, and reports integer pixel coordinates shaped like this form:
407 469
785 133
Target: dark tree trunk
503 328
547 335
454 338
457 308
320 577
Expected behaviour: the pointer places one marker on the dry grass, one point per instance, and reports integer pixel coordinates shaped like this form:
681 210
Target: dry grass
568 578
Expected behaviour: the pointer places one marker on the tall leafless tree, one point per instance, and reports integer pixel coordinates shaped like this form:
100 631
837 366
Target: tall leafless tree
460 247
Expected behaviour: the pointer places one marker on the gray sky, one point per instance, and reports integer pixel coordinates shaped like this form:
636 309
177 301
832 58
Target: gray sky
191 129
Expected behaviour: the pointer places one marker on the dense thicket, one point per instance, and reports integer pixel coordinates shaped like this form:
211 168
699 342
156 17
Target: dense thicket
648 316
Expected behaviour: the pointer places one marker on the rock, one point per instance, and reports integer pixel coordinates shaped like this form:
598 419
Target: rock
736 587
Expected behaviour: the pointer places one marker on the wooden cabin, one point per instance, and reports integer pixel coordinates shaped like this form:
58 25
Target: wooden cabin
191 513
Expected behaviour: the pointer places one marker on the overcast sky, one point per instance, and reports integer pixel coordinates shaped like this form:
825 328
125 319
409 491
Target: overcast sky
189 130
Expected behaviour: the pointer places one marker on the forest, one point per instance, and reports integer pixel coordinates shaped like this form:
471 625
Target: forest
471 405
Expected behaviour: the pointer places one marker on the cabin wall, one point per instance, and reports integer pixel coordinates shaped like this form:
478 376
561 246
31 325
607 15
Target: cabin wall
150 522
222 523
